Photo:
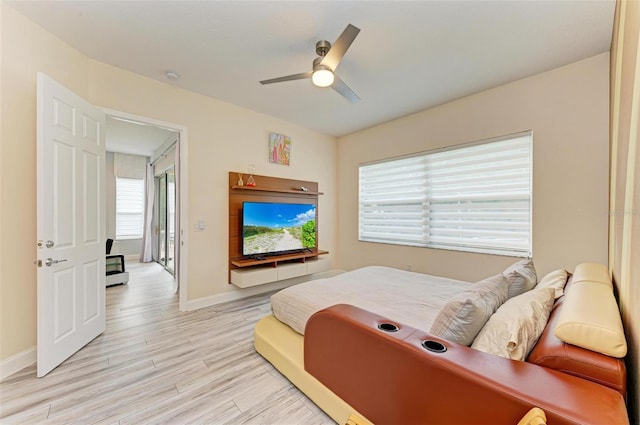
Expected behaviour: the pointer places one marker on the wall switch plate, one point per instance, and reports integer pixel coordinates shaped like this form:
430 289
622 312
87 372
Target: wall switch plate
200 225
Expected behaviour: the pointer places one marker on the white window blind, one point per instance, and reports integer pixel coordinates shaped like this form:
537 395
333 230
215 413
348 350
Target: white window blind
472 198
129 208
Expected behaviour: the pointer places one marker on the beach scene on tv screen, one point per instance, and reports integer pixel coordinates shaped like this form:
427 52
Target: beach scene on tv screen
278 227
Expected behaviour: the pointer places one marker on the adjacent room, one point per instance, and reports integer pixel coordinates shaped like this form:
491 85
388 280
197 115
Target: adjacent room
237 212
140 192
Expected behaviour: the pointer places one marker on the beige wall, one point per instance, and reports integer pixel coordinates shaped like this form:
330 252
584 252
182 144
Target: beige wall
624 244
221 138
567 109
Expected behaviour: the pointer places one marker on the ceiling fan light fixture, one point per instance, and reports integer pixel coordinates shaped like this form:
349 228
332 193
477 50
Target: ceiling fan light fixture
322 77
329 57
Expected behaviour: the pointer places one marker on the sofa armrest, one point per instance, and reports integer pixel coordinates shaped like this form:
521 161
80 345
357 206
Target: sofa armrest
551 352
390 378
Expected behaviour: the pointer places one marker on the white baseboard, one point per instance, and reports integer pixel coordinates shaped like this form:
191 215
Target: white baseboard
240 293
17 362
235 295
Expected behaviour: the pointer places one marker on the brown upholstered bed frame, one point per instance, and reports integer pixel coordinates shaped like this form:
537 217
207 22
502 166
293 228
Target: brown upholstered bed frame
350 367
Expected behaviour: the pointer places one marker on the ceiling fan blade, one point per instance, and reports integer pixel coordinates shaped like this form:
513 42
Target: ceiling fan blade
300 76
345 90
339 48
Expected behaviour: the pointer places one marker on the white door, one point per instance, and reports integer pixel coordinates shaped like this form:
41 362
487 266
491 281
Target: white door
71 223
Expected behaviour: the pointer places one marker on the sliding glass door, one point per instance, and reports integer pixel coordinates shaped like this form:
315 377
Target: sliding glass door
165 218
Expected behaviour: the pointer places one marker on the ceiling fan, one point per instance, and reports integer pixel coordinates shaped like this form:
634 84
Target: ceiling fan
324 66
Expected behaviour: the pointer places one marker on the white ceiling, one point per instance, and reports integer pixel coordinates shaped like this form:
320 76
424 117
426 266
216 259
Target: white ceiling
135 138
410 55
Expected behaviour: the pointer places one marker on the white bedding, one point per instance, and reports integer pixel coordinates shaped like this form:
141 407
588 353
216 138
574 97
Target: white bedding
413 299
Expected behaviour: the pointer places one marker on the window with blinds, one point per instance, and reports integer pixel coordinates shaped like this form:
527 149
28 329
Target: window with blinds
473 198
129 208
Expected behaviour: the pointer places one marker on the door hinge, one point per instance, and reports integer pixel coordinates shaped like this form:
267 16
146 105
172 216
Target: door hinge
37 263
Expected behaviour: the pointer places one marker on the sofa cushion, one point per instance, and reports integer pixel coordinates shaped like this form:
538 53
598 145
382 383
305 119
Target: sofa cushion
592 272
462 317
516 326
590 319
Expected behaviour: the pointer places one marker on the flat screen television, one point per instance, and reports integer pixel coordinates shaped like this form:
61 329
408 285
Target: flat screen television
276 228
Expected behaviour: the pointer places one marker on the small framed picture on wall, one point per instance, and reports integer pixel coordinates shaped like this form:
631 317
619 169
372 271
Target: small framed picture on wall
279 149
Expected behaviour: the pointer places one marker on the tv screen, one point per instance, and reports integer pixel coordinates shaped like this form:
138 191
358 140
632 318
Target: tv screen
269 228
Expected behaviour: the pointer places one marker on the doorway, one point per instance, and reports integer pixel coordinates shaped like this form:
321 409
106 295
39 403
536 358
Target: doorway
71 218
175 240
165 215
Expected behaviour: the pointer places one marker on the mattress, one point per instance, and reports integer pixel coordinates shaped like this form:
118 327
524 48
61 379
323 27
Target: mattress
413 299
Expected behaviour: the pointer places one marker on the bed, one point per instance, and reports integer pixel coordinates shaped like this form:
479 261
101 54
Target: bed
411 298
369 353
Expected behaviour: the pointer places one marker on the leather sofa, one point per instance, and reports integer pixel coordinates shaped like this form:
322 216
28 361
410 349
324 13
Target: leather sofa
391 378
362 368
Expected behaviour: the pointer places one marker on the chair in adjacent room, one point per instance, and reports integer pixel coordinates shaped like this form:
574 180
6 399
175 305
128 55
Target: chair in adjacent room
114 266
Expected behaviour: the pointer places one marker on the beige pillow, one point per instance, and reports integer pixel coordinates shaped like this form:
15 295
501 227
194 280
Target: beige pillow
592 272
556 279
521 277
590 319
462 317
514 329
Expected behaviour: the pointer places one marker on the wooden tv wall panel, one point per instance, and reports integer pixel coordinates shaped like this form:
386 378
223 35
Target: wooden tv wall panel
245 272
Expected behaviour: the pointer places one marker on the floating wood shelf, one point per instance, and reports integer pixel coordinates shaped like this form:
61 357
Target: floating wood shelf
275 259
276 190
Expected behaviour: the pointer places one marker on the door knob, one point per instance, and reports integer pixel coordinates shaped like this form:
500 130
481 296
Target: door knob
50 261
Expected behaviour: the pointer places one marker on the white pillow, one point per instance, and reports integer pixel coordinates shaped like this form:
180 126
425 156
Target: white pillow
462 317
515 327
556 280
521 277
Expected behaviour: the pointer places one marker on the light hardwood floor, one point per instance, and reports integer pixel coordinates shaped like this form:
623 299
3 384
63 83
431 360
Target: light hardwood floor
154 364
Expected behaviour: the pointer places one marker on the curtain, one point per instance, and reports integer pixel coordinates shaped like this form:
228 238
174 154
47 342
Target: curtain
147 232
178 229
624 180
